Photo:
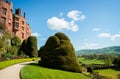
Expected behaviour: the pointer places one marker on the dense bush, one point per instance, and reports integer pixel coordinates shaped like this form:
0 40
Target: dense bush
4 41
32 46
116 62
15 41
29 47
59 53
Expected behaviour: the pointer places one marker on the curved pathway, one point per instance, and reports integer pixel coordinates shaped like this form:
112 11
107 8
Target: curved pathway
12 72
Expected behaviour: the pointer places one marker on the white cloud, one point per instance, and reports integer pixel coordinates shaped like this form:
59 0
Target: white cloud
36 34
76 15
96 29
114 37
43 39
104 35
89 46
55 23
110 36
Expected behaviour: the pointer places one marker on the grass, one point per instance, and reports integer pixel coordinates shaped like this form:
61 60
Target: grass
94 61
33 71
110 73
12 62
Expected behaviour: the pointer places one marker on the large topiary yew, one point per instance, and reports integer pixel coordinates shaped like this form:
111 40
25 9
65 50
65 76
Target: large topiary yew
58 52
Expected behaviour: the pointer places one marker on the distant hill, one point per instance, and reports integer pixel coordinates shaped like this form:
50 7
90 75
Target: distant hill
107 50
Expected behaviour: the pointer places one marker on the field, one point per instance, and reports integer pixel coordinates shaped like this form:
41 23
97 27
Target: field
34 71
110 73
11 62
93 61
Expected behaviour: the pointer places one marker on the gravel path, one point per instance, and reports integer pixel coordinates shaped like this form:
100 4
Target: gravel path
12 72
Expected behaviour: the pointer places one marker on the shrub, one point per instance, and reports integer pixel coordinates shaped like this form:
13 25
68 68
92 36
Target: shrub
12 50
32 46
23 47
29 47
90 69
15 41
59 53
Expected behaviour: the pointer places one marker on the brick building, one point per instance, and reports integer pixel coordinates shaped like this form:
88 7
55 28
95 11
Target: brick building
15 23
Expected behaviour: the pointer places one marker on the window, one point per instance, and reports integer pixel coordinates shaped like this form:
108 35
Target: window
3 20
3 0
23 28
4 11
16 18
23 22
23 35
16 25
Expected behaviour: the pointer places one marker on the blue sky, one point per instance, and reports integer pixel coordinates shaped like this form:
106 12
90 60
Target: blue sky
90 24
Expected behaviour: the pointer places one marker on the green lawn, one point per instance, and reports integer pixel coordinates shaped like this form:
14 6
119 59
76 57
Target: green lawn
11 62
94 61
33 71
110 73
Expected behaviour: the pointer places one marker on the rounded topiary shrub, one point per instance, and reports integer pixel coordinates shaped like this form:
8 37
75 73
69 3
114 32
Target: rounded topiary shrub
58 52
29 47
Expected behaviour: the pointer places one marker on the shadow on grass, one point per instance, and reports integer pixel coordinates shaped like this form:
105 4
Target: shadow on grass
38 64
34 64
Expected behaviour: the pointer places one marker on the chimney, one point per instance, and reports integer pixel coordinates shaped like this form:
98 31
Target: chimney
24 15
18 11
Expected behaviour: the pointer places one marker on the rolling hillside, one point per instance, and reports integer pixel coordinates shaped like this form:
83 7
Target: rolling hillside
107 50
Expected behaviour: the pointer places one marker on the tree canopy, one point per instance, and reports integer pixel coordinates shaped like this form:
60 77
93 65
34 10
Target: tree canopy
58 52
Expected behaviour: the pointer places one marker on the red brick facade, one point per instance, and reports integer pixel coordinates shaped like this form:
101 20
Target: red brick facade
16 24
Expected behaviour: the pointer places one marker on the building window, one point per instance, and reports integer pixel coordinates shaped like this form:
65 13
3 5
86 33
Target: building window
16 25
23 22
4 11
23 28
16 18
22 35
3 0
3 20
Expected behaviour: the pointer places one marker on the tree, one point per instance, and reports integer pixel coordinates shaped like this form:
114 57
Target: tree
32 46
29 47
1 47
116 62
23 47
58 52
40 50
15 41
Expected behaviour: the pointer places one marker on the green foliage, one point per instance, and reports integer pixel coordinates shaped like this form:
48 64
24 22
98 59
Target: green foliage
7 55
1 47
62 36
13 50
40 50
29 47
32 46
116 62
15 41
53 42
90 69
59 53
33 71
108 61
23 47
4 41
